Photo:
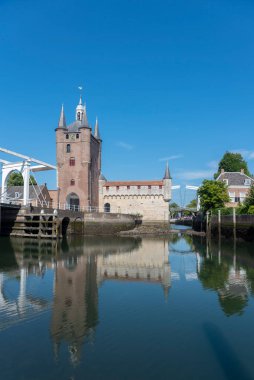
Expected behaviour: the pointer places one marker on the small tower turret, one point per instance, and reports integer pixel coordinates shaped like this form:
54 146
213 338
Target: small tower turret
96 130
167 182
62 121
81 112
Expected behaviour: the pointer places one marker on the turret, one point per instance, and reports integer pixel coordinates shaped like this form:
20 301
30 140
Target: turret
96 130
81 112
102 181
167 182
62 121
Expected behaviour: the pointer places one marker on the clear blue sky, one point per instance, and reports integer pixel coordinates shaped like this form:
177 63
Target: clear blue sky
167 79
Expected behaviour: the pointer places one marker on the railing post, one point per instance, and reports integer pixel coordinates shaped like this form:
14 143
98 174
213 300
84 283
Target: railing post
234 223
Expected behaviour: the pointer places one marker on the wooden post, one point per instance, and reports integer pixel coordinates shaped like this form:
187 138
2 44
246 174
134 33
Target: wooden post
234 223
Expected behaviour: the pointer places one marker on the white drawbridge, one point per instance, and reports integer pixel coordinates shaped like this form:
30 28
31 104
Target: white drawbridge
24 167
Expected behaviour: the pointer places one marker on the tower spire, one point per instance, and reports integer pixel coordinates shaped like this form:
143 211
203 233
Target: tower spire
96 130
167 173
62 121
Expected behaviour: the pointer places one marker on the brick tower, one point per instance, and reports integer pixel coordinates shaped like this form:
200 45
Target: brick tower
78 153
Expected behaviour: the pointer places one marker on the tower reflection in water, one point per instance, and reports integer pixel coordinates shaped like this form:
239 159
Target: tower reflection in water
80 267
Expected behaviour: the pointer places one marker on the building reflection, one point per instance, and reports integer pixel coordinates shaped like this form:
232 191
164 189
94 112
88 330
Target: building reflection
80 267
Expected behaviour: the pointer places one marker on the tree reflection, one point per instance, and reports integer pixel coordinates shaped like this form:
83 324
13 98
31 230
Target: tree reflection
223 270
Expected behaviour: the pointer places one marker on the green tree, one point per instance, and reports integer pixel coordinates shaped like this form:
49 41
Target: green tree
192 204
16 179
248 203
173 205
213 195
232 162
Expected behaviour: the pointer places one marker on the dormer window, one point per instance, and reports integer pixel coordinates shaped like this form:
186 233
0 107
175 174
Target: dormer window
247 182
225 181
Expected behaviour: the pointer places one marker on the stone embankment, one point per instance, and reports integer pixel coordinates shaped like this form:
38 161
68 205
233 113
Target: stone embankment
157 229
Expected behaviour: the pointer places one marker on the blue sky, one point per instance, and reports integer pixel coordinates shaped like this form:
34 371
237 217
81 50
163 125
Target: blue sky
167 79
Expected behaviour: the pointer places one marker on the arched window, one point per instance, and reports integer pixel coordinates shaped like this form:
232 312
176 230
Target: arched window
78 115
77 135
68 148
72 182
107 207
67 137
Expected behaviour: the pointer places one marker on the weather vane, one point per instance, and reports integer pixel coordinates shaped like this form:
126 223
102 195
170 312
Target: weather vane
80 89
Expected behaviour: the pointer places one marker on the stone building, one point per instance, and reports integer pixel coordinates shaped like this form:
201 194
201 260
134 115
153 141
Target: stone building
238 185
147 198
78 153
81 184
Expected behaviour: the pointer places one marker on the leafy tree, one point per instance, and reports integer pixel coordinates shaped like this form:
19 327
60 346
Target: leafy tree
213 195
248 204
173 205
192 204
16 179
232 162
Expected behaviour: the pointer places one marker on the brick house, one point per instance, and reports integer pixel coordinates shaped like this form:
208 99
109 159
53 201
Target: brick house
238 184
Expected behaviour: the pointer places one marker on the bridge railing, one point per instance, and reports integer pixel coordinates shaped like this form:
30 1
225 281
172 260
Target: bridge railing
75 208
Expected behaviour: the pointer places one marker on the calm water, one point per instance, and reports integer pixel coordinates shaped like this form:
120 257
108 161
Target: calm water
125 308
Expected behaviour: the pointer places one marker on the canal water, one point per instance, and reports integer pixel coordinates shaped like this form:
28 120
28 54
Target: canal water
126 308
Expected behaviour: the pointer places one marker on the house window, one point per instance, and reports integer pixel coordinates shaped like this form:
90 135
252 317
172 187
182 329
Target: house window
242 197
149 187
72 182
117 187
247 182
232 196
160 187
68 148
107 188
16 194
72 161
139 187
67 137
77 136
128 187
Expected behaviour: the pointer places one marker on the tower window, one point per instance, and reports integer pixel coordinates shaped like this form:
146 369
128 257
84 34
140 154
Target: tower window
68 148
78 115
77 136
72 161
72 182
67 137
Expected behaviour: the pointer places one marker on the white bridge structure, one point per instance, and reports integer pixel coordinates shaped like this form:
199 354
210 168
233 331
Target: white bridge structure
25 167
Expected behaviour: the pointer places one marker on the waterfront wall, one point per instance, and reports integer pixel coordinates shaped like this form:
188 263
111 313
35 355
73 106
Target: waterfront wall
228 226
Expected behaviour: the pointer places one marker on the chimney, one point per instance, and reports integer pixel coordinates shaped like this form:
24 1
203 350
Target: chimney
242 171
222 171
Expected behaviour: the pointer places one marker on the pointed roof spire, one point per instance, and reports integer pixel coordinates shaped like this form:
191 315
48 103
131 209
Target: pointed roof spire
62 121
96 130
80 100
167 173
